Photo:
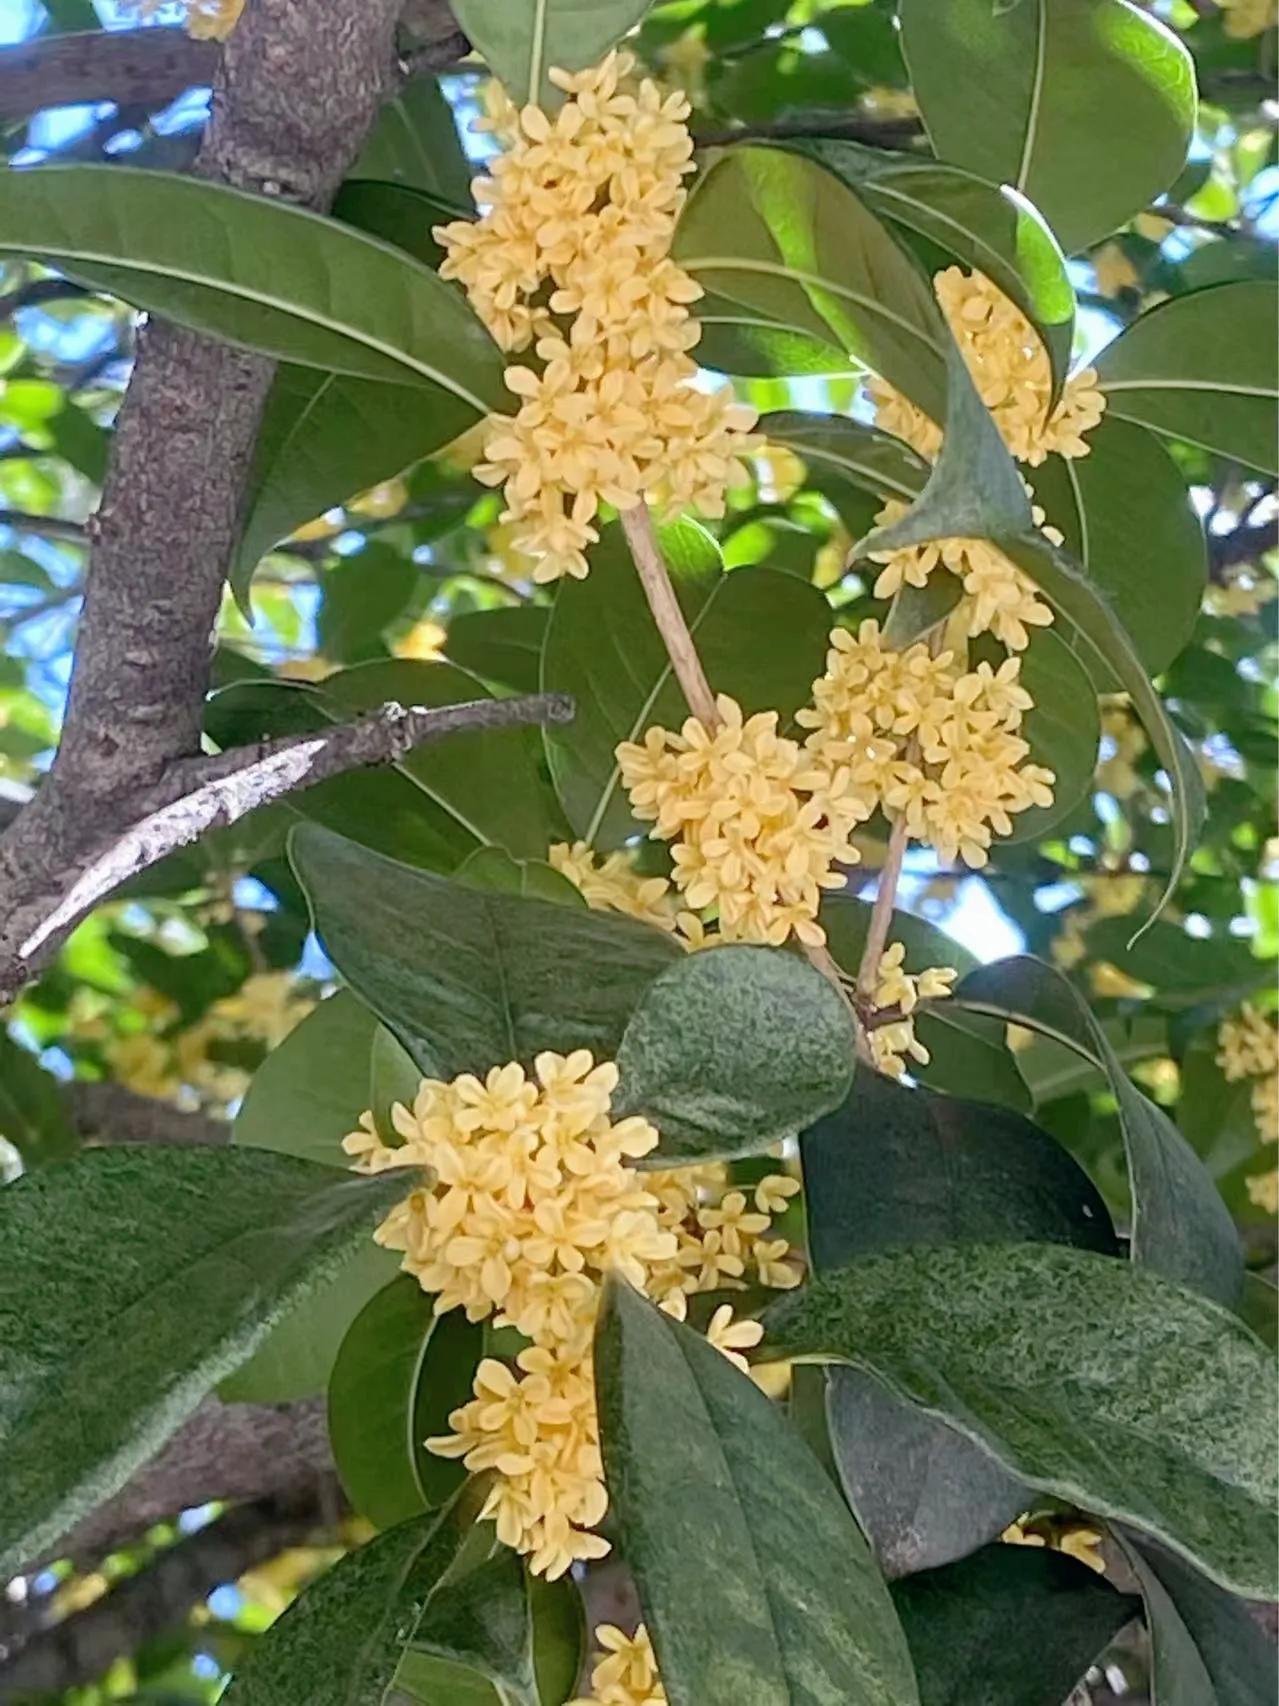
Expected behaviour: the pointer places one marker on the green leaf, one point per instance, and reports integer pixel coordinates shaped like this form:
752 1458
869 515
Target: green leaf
399 1372
1063 728
713 1491
1126 516
1180 1226
259 273
1001 91
837 450
781 245
415 142
467 979
986 227
483 1620
360 597
502 646
1091 1379
761 634
1183 969
392 1078
488 780
33 1112
555 1613
1202 368
520 46
732 1050
1207 1647
338 1644
969 1055
110 1344
491 868
1010 1624
895 1167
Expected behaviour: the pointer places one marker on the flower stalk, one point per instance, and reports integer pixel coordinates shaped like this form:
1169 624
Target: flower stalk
641 536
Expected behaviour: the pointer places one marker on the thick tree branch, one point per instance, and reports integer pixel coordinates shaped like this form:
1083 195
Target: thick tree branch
78 1650
112 1113
298 86
196 795
149 66
1241 545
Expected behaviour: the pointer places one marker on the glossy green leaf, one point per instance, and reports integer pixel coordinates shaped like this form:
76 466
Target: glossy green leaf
969 1055
1207 1647
1202 368
729 1052
360 597
984 226
1086 106
415 142
1183 969
33 1111
894 1167
781 245
109 1344
555 1613
340 1641
400 1371
761 634
469 979
1180 1225
521 46
1126 516
501 646
1063 728
492 868
482 1621
711 1489
260 273
1091 1379
1008 1625
837 450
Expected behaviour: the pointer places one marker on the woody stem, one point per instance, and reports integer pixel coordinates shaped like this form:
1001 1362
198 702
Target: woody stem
637 524
881 916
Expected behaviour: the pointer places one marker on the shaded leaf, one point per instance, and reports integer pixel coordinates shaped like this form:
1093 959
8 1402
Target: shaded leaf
108 1346
710 1485
1088 1378
502 646
1202 368
1000 90
415 141
520 47
836 449
1180 1225
730 1051
33 1112
492 868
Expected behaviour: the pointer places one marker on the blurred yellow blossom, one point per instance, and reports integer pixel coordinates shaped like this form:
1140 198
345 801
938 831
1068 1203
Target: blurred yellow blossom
758 829
571 258
424 641
1248 1047
206 20
380 502
1244 18
1114 271
684 61
1263 1191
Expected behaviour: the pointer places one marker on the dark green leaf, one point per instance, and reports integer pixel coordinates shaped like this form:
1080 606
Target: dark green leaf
781 245
398 1374
493 869
482 1620
1001 93
339 1643
730 1051
838 450
33 1112
761 634
544 35
1063 728
1180 1224
1202 368
1091 1379
110 1343
1183 969
1009 1625
502 646
415 141
468 979
360 597
984 226
712 1488
260 273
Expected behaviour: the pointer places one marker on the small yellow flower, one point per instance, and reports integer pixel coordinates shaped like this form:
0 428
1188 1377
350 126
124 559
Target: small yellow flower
424 641
731 1337
611 884
626 1674
1263 1191
895 988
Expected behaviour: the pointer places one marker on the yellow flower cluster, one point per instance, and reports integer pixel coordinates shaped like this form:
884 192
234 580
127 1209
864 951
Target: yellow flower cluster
1248 1047
1244 18
1245 591
1010 369
926 742
897 989
612 884
1108 894
1117 775
999 598
626 1674
571 256
533 1199
1076 1540
758 826
206 20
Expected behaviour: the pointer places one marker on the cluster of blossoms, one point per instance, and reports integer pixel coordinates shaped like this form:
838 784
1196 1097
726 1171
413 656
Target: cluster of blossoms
900 991
206 20
925 741
1248 1047
1244 18
757 823
612 884
626 1674
1011 371
533 1199
571 257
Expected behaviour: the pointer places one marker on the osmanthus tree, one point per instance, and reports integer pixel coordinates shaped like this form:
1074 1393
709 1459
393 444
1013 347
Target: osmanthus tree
711 1283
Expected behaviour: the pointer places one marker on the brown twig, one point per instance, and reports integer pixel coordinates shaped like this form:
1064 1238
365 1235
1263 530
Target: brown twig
881 915
872 132
151 66
641 536
200 794
112 1113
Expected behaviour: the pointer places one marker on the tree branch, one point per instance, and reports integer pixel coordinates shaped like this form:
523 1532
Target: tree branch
873 132
199 794
149 66
112 1113
1242 544
79 1649
298 86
